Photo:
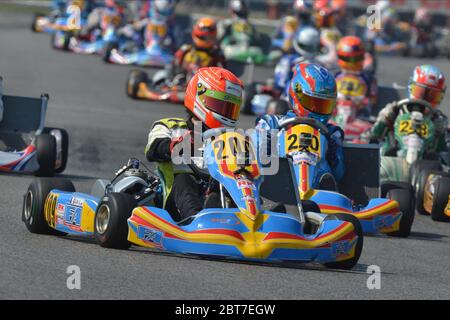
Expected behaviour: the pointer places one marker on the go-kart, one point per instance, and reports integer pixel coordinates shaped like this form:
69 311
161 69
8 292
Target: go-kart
122 212
99 39
408 144
243 44
26 145
353 109
302 144
159 88
157 52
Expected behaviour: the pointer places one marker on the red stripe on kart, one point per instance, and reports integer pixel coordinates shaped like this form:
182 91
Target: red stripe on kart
8 167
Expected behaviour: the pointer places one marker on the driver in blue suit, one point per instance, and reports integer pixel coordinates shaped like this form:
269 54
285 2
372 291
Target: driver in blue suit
313 94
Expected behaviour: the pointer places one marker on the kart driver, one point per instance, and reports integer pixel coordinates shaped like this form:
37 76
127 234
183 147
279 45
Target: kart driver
112 8
204 52
313 94
427 84
213 99
307 48
351 58
239 11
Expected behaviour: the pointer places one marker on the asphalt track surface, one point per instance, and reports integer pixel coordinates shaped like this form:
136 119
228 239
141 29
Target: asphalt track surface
106 128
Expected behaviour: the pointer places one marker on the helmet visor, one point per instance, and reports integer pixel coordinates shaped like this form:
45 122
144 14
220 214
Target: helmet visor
354 59
226 105
316 105
433 96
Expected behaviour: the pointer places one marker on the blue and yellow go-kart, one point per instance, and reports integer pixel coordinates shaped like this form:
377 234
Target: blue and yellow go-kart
302 144
156 53
123 212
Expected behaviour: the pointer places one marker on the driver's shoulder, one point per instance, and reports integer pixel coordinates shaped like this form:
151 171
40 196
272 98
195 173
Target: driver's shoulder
171 123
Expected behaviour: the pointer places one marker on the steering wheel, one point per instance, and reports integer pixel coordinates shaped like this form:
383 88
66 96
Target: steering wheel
307 121
407 104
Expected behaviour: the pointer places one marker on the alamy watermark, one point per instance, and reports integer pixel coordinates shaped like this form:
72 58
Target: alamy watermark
374 280
73 281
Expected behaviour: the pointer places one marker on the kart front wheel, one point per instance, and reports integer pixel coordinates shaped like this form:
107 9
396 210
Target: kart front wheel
350 263
441 199
110 223
46 155
135 78
110 46
404 195
62 147
34 204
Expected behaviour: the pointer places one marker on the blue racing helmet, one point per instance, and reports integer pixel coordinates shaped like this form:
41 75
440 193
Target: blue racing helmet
312 92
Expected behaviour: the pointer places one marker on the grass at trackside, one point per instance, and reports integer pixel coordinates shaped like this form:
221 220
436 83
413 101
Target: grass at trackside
16 8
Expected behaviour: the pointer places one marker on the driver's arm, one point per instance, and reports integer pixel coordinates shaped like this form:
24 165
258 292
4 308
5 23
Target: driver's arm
158 146
385 121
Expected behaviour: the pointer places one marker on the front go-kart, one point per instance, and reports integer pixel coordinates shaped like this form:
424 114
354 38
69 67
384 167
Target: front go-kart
122 212
303 144
353 108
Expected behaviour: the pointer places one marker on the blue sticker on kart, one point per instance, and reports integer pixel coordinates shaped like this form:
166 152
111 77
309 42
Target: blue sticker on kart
149 235
73 216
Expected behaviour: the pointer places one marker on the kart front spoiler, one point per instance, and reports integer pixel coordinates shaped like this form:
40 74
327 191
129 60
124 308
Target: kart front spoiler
227 233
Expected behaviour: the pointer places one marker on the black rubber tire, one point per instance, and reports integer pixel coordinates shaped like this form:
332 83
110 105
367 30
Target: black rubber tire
40 188
406 201
350 263
420 165
440 200
135 77
46 155
120 206
279 107
35 18
420 191
249 93
67 37
107 51
64 147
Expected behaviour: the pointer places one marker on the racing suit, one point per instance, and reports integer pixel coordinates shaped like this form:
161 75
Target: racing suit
188 59
182 189
384 128
335 153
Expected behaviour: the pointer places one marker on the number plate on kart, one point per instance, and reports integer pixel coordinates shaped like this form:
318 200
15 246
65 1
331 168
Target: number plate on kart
406 128
351 86
295 140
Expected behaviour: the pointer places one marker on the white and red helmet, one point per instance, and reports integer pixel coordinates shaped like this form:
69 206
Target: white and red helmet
427 83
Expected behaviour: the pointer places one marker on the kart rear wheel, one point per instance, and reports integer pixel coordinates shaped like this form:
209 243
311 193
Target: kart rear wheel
441 198
135 78
405 198
46 155
36 17
350 263
249 93
420 184
62 147
418 167
110 46
33 214
110 222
